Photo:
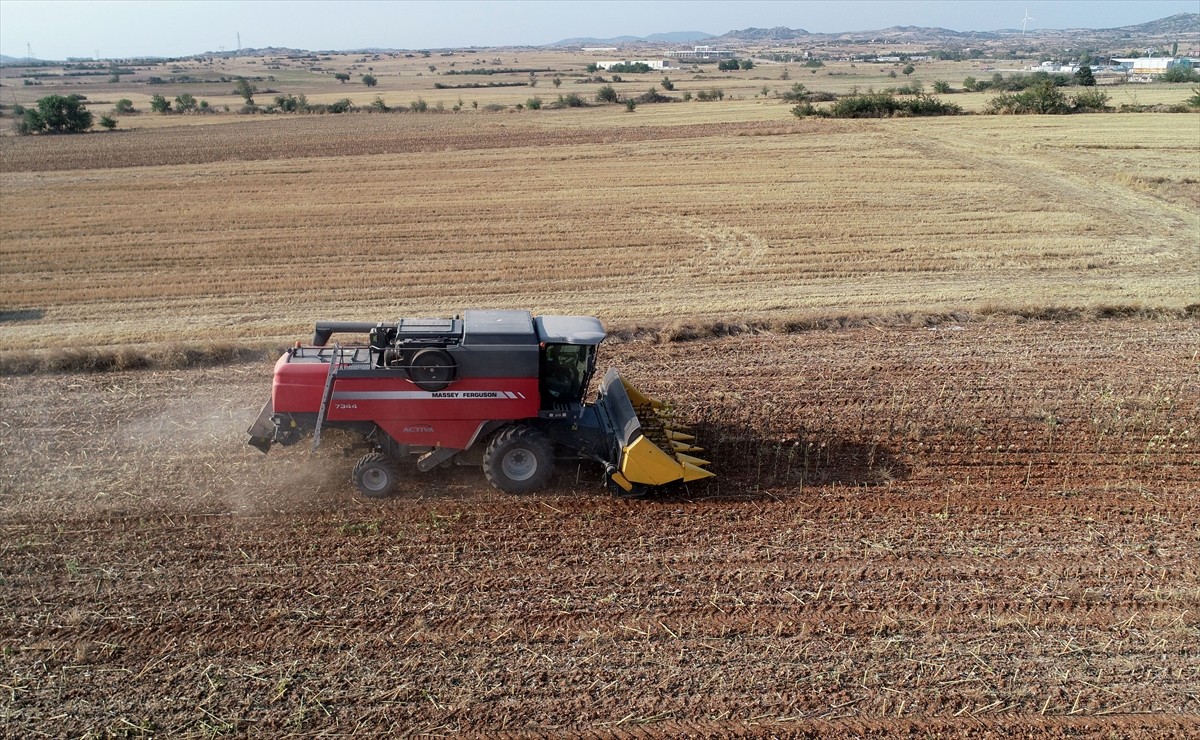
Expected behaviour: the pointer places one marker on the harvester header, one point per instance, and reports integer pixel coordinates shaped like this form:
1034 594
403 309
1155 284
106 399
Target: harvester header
501 389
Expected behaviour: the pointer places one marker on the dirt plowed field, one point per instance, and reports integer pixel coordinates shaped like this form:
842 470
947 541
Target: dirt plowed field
983 530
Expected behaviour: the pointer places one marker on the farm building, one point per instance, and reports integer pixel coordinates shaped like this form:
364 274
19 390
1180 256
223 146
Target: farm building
702 52
1153 66
651 63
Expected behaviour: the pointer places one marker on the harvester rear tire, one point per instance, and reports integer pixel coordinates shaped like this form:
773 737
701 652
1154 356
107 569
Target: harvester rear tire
375 475
519 459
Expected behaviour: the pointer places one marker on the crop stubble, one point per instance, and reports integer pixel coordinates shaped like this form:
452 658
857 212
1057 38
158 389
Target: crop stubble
251 230
967 531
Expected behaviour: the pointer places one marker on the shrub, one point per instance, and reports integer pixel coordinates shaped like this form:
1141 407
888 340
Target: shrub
797 93
1194 101
728 65
108 123
291 103
159 104
806 110
667 84
1089 100
629 68
124 105
378 106
715 93
419 106
883 105
1043 98
570 100
606 94
340 106
534 104
942 87
630 104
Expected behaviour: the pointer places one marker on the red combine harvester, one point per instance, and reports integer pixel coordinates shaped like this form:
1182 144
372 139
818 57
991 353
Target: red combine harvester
500 389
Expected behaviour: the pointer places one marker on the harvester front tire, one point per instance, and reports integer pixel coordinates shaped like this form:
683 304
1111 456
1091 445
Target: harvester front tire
519 459
375 475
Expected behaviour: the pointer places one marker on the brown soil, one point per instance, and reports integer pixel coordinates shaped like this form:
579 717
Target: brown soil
987 530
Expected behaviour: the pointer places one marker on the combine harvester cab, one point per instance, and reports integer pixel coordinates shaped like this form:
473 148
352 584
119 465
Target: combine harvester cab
500 389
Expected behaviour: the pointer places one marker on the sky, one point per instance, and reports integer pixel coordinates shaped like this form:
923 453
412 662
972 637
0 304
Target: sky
57 29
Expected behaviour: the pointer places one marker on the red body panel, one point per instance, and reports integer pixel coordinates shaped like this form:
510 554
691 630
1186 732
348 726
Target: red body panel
412 416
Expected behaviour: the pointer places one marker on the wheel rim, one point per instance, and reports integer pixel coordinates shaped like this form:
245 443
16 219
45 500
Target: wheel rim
519 464
375 479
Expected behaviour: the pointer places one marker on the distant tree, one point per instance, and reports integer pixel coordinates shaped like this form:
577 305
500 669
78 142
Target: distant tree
728 65
56 114
557 81
340 106
533 104
291 103
746 64
970 83
1175 49
124 105
797 93
591 68
1085 77
159 104
185 103
244 89
892 74
108 123
342 77
1179 74
942 87
606 94
369 80
630 104
667 84
909 69
533 80
1194 101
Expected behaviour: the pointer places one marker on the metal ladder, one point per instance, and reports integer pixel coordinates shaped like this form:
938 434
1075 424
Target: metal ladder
333 363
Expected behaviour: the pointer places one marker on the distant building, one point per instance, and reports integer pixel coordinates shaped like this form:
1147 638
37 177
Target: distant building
1153 66
703 52
651 63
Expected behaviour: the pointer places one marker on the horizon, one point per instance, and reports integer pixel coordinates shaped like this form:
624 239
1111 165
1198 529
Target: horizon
46 30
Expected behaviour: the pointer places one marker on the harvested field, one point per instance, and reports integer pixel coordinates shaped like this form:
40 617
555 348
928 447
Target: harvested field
977 530
251 231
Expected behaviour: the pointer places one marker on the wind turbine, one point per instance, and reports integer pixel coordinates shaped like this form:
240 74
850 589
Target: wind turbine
1025 20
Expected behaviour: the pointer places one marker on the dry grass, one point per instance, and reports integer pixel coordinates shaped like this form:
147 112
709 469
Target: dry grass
249 232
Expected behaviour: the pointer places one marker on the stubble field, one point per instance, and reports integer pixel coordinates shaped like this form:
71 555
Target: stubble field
969 512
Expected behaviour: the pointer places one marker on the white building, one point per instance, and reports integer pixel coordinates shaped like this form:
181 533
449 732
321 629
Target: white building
1153 66
703 52
651 63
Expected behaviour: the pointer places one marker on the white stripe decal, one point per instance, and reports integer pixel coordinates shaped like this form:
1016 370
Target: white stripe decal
415 395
